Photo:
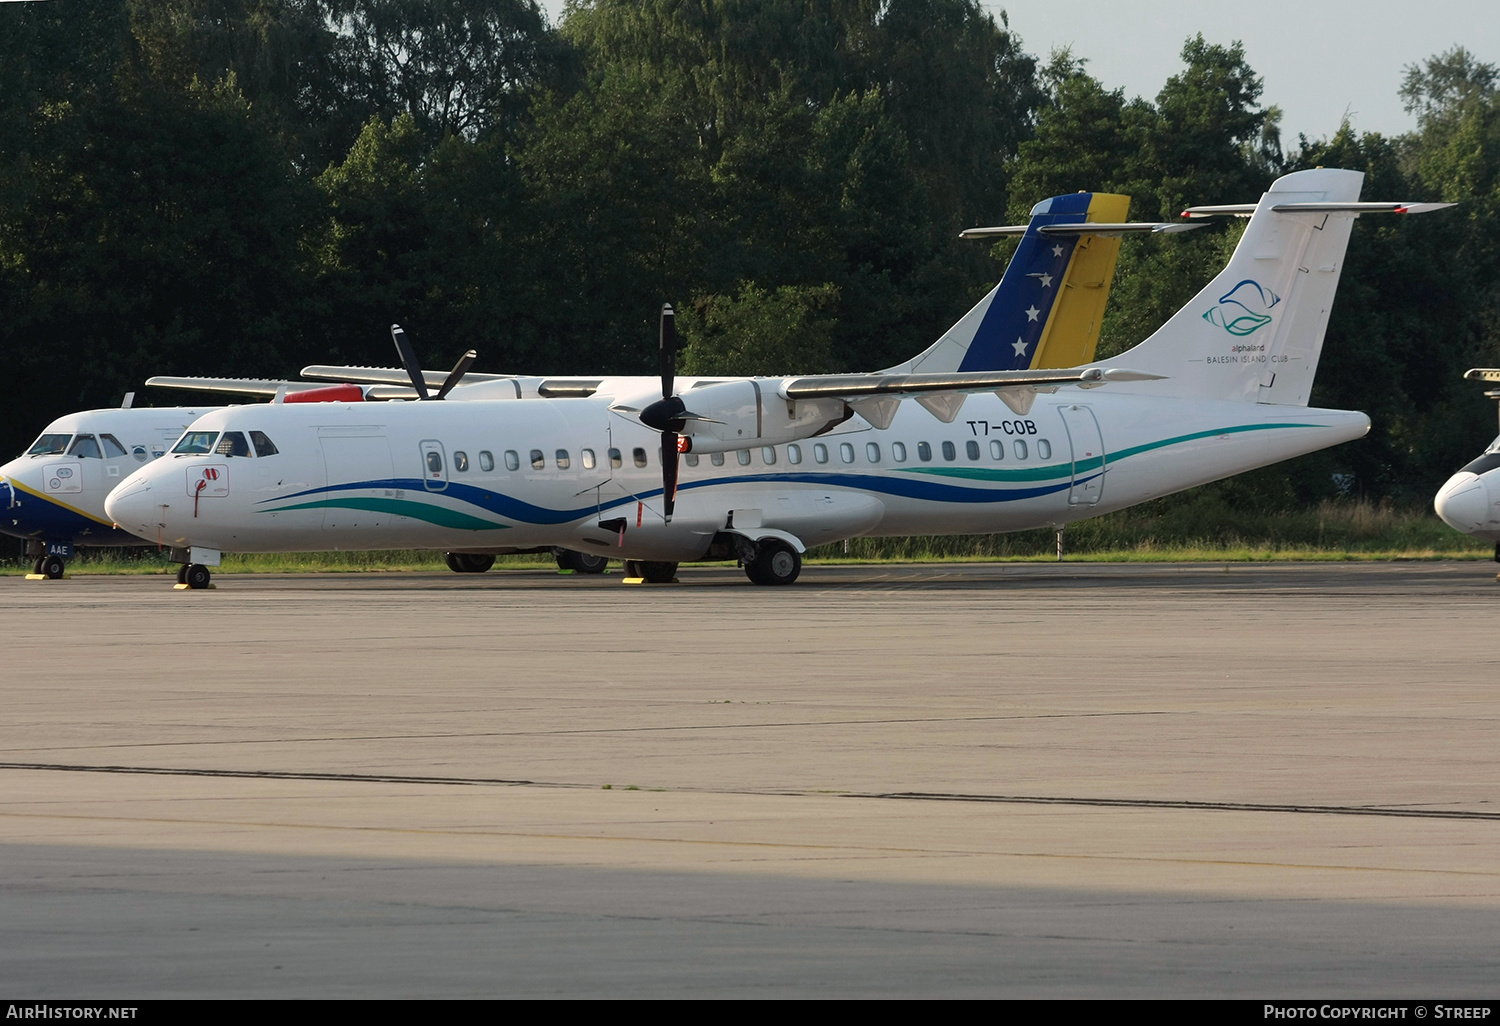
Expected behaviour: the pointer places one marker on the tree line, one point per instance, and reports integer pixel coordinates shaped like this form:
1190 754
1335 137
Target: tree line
243 187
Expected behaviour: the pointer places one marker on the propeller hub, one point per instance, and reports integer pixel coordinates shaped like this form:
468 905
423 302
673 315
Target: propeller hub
665 414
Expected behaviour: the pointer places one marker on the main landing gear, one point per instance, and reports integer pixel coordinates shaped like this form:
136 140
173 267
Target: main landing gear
774 562
468 562
581 562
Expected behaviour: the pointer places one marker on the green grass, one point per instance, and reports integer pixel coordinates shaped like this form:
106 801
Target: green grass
1205 529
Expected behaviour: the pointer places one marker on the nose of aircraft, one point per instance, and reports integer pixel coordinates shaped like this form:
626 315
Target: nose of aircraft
131 505
1464 503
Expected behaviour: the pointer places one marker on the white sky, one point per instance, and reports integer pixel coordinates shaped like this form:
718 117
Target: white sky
1318 58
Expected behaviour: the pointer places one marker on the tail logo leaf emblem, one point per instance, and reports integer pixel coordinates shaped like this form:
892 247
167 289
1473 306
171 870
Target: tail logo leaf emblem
1244 309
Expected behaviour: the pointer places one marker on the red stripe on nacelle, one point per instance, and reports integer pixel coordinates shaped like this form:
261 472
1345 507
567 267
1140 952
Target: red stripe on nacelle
331 394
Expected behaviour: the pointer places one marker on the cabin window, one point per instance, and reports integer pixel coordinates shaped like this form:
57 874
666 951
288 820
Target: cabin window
196 443
538 461
872 452
1020 447
86 448
692 459
898 452
639 455
717 459
460 461
112 446
924 452
768 455
949 452
743 455
971 449
486 460
587 456
50 445
232 443
263 445
615 459
512 460
997 449
794 454
563 461
434 462
1043 449
820 452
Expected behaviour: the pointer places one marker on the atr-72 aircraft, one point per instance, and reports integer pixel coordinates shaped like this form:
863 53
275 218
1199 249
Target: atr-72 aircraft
53 495
774 465
1469 501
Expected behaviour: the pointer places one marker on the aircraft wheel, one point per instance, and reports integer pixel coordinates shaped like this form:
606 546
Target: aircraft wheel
51 567
468 562
657 572
581 562
196 576
36 565
775 562
182 573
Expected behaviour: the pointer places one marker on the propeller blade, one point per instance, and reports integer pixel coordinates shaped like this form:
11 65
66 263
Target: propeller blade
409 361
669 458
668 350
459 370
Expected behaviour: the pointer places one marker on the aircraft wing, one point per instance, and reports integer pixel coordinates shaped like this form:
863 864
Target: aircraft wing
855 386
876 397
266 387
388 376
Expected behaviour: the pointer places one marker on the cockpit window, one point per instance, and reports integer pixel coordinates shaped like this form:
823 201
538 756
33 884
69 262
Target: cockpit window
1489 461
112 446
263 445
86 447
49 445
233 444
196 443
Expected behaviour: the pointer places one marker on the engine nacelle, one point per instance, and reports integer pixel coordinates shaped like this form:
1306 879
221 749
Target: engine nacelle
750 412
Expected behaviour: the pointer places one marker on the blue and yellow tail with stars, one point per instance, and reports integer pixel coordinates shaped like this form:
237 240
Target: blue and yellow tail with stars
1047 309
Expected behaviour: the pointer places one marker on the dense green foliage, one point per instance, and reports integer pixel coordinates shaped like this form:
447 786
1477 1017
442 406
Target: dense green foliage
247 186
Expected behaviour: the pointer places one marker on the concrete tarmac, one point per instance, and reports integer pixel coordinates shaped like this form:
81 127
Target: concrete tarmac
1012 780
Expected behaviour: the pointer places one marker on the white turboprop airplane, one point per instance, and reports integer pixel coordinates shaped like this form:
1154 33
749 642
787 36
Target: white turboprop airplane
55 498
53 494
1469 501
777 464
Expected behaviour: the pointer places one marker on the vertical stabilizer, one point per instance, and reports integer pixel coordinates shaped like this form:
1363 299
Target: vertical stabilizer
1046 310
1256 331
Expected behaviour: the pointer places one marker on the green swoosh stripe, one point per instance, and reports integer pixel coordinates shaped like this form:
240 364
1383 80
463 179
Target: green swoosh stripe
440 515
1063 471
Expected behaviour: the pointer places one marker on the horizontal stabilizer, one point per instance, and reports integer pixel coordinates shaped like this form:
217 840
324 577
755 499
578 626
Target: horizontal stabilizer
1074 230
1246 209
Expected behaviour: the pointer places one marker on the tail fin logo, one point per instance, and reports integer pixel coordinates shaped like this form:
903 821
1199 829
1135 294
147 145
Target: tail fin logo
1244 309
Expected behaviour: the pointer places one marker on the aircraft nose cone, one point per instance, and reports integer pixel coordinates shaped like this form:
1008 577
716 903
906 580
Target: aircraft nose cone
131 507
1463 503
